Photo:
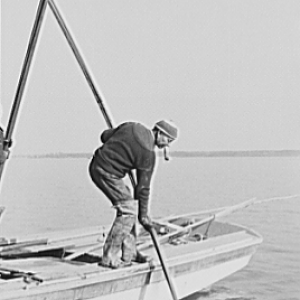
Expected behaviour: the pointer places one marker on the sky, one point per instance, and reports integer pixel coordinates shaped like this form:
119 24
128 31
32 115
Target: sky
227 73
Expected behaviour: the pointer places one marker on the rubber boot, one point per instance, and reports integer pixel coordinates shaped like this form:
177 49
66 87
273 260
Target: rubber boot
130 252
113 244
128 248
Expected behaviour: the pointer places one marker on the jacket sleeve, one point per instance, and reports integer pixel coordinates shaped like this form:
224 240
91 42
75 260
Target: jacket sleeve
106 134
142 190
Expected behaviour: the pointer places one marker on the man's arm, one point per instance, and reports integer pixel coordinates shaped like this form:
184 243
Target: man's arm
142 192
106 135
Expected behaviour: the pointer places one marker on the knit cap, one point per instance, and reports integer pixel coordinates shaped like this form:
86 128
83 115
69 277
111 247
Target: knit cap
168 128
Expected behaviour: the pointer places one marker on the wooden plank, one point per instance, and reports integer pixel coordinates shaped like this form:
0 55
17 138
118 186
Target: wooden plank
65 235
168 224
50 247
42 245
23 252
95 234
15 246
83 251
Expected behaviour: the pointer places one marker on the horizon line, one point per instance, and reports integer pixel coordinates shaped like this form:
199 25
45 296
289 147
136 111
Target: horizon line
175 153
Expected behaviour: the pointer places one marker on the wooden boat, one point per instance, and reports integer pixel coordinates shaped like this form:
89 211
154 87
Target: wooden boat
199 251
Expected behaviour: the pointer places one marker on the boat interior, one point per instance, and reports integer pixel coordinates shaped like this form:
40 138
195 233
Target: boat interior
84 247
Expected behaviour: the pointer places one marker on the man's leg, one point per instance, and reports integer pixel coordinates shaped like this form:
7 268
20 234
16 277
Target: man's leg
122 237
129 249
113 244
130 252
120 196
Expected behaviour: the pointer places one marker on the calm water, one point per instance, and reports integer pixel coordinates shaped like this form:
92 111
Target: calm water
42 195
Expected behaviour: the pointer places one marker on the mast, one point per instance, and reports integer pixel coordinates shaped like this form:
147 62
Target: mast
84 69
23 78
26 66
80 60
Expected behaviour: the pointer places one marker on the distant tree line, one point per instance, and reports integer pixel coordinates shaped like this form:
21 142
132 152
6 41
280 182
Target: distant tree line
184 154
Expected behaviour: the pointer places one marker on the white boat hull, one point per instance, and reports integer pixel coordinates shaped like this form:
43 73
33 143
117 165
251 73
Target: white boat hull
193 266
185 285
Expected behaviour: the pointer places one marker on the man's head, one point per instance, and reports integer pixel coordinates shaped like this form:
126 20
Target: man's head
165 132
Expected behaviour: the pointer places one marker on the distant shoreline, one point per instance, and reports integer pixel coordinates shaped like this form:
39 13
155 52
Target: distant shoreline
183 154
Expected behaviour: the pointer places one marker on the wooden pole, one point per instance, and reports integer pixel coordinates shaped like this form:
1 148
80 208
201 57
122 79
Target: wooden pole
84 68
163 264
23 77
58 16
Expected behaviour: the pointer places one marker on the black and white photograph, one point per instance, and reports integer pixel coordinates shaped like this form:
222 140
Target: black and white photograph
150 150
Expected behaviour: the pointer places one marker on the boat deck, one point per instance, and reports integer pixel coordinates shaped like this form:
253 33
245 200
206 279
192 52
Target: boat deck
67 260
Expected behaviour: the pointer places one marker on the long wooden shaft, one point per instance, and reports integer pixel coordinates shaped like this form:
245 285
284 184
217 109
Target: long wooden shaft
163 264
16 246
24 75
83 67
80 60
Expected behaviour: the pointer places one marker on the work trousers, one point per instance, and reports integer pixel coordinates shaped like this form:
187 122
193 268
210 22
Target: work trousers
121 235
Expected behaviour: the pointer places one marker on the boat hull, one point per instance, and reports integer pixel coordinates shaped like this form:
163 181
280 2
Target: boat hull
187 284
193 264
141 282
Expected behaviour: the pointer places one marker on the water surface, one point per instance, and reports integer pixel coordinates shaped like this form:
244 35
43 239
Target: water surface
42 195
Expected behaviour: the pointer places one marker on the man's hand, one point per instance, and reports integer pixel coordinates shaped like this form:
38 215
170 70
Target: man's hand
146 222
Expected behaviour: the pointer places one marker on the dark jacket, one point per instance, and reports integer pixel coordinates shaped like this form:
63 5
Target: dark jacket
128 147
